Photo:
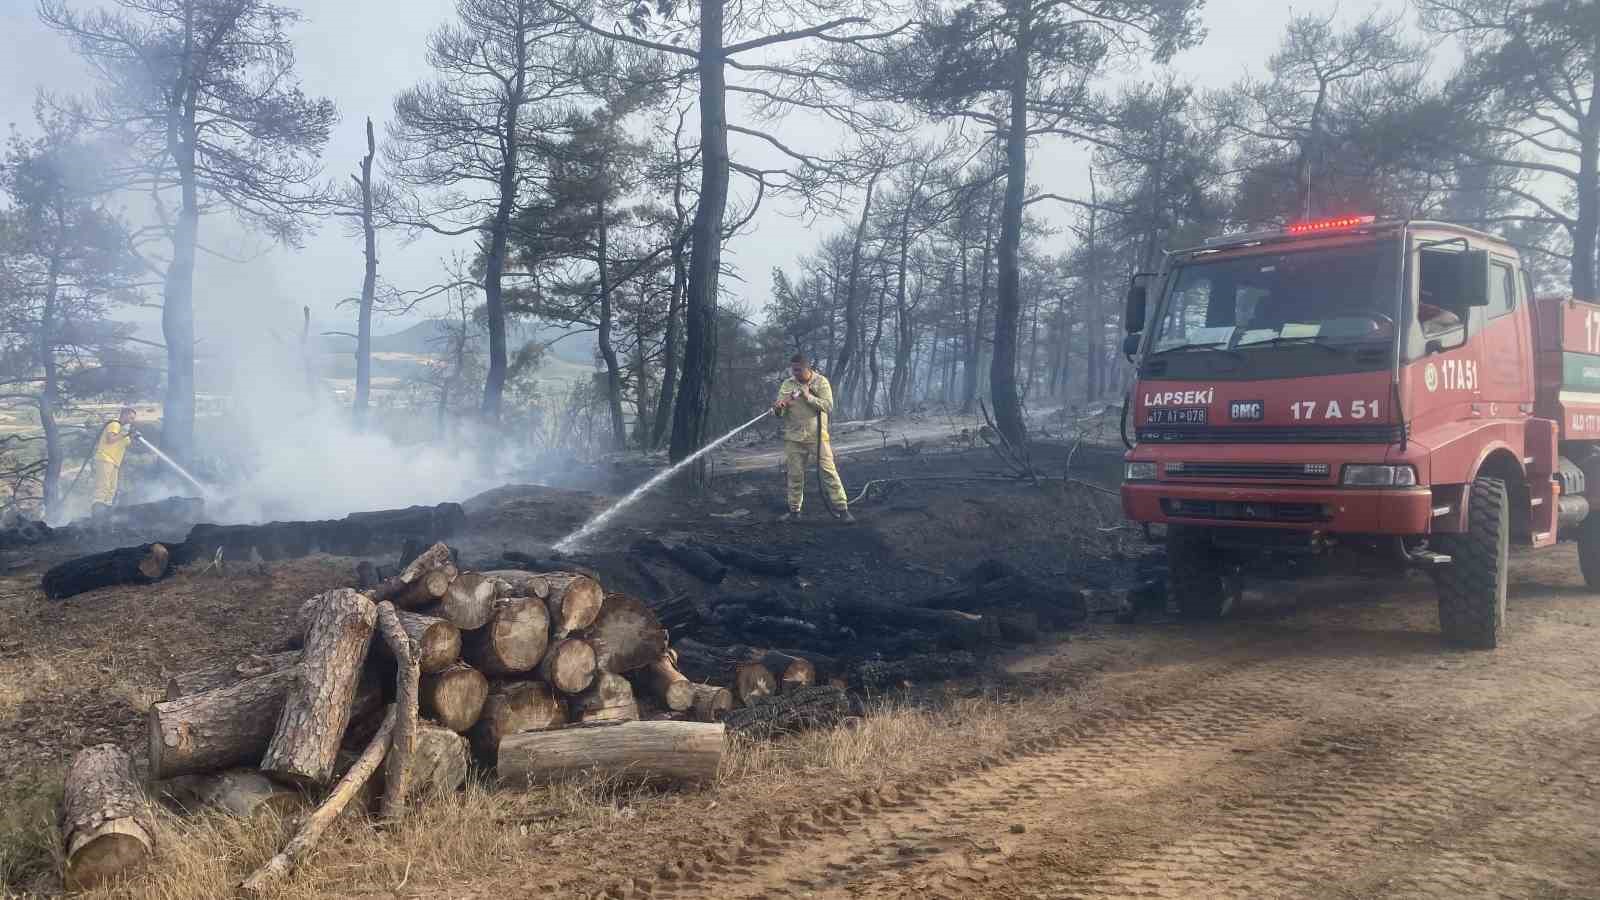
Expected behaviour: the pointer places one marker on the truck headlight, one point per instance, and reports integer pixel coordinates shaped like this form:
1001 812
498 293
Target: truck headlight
1140 471
1379 476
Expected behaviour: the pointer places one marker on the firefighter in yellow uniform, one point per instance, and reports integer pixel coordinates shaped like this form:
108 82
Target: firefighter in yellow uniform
805 401
108 454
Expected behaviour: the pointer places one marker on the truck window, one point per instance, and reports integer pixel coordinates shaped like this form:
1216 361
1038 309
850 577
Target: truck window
1439 292
1502 290
1338 294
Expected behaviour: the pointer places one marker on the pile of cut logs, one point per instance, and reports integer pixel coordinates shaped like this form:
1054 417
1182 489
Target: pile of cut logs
534 675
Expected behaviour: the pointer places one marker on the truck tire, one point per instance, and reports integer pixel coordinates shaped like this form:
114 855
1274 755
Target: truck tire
1472 588
1589 549
1195 573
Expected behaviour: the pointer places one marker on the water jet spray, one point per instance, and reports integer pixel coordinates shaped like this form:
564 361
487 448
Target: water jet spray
602 518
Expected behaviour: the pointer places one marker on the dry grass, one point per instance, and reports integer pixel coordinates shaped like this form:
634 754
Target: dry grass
481 835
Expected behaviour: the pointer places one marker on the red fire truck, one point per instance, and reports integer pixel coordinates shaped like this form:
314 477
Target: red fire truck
1391 388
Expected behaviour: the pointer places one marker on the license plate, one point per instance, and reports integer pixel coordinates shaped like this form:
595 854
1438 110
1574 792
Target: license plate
1194 416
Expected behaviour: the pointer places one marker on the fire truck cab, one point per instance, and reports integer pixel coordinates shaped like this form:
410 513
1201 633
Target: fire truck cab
1384 386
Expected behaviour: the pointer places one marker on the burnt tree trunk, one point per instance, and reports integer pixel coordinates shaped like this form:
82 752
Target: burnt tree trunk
144 564
821 706
317 709
105 818
692 412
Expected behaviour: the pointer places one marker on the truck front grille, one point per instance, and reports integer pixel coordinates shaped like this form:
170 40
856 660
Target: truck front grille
1262 434
1252 511
1274 471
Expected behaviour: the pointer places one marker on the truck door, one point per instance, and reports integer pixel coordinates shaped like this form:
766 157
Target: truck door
1505 379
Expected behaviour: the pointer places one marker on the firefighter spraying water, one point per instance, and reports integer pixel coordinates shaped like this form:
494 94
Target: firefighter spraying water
110 448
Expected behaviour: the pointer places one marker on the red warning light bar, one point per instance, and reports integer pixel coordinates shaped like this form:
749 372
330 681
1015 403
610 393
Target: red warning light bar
1320 225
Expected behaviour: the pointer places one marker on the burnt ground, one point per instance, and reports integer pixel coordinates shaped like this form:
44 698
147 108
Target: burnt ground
81 671
1322 744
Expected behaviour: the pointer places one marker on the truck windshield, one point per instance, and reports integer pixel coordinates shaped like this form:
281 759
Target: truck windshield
1334 296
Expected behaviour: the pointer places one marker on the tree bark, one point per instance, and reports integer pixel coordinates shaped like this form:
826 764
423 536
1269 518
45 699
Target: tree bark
626 635
369 286
106 827
669 751
568 665
177 295
512 707
1586 229
403 740
608 699
144 564
318 706
514 640
469 602
691 414
228 726
454 698
846 366
1003 368
199 681
440 763
311 830
608 353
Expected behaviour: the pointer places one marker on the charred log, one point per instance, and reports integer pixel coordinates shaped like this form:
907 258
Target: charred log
144 564
821 706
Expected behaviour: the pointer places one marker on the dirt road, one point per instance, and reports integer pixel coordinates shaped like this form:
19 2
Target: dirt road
1321 745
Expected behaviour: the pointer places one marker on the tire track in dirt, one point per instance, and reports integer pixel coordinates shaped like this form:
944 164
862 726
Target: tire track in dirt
888 832
1329 779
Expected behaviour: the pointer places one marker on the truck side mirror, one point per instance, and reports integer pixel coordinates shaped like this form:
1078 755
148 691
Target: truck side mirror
1130 345
1475 278
1133 314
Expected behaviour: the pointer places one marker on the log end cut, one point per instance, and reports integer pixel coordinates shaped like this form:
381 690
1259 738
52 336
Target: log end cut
105 826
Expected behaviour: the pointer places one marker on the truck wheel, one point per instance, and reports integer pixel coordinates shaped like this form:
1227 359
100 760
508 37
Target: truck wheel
1472 588
1195 574
1589 549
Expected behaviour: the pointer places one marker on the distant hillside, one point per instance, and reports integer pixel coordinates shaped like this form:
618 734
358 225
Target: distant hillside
425 338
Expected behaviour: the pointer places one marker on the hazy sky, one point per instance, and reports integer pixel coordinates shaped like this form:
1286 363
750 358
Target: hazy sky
362 52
